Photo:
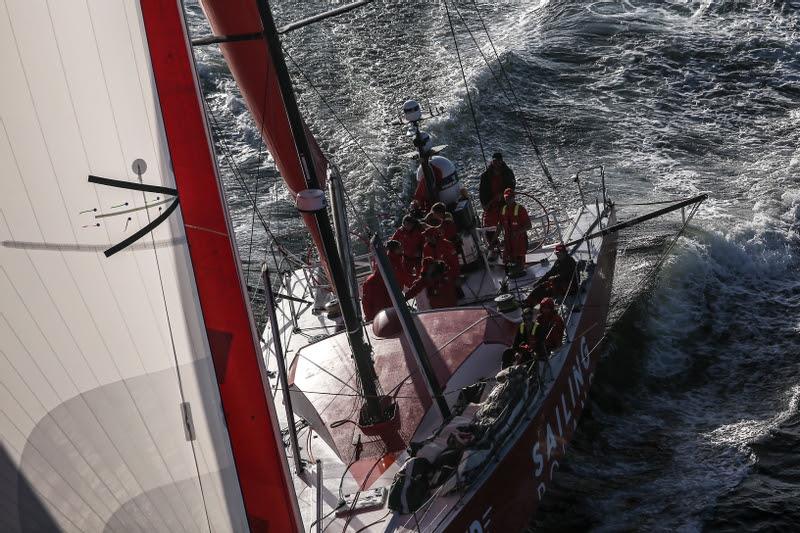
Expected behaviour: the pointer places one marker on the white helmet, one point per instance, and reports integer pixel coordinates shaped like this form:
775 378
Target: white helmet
411 111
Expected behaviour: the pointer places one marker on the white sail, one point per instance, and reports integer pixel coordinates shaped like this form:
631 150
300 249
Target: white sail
98 354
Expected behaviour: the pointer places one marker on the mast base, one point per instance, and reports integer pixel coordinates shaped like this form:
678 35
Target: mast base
386 419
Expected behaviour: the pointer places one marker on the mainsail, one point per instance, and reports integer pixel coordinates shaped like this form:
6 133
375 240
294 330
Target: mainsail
132 395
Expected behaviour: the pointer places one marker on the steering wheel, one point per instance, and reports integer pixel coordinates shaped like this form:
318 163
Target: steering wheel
542 222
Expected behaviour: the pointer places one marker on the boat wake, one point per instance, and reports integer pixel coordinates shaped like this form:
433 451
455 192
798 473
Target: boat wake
696 402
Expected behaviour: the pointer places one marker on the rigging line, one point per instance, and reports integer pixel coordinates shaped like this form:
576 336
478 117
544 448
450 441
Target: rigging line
361 220
341 123
192 443
520 113
237 174
466 85
485 59
261 147
354 395
335 116
235 170
252 232
653 272
505 92
361 487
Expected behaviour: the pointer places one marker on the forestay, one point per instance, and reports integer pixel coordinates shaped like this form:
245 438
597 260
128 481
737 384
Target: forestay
111 415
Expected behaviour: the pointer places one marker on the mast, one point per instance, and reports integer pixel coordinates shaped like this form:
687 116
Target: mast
313 200
410 328
341 227
413 114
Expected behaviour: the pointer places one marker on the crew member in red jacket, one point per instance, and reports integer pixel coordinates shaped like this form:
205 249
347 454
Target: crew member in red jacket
410 237
394 250
445 219
374 296
438 248
515 222
548 329
421 195
438 284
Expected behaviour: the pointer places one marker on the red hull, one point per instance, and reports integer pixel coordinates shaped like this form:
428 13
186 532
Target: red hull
531 463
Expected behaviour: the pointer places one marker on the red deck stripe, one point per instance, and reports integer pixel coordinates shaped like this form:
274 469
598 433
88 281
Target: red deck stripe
259 462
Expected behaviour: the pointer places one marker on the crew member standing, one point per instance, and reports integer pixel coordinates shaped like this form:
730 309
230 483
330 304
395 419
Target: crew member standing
394 250
421 195
374 296
493 181
515 222
410 237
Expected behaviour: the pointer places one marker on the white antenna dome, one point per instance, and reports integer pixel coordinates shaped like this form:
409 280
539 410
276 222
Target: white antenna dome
446 178
445 166
411 111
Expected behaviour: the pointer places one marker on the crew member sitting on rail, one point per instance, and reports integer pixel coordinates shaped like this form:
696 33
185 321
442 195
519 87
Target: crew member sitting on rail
560 279
440 287
515 223
493 181
374 295
520 351
517 355
525 330
394 250
439 248
548 329
410 237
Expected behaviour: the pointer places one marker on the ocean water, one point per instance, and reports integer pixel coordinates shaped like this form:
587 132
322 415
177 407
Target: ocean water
693 423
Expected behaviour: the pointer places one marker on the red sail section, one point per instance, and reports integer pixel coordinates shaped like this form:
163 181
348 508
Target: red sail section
266 490
252 68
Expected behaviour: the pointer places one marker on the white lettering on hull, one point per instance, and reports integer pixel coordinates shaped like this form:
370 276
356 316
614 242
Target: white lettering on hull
564 410
538 460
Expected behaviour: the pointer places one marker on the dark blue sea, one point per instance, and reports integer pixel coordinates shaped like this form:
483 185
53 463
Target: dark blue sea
694 421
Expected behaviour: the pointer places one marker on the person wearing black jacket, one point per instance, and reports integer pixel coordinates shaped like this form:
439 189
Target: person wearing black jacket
560 279
493 181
